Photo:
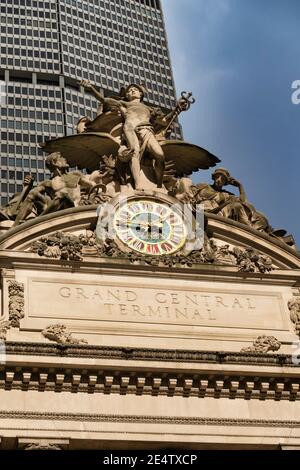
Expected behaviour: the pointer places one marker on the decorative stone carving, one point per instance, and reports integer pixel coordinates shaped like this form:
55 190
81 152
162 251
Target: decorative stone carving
217 200
127 148
71 247
62 246
224 255
250 260
15 303
140 128
60 334
65 189
152 382
4 327
94 198
263 344
42 446
294 307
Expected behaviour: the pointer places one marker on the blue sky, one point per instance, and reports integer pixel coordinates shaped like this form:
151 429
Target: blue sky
239 58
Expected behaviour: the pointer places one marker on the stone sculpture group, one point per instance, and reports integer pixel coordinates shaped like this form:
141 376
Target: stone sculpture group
127 149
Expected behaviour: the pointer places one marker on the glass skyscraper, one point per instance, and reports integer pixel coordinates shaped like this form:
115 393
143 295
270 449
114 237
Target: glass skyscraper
48 46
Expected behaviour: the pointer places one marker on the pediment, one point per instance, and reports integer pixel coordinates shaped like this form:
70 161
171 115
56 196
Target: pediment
228 236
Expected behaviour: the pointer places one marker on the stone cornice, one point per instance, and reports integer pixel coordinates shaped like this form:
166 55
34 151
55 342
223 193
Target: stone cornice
133 371
217 222
223 273
157 383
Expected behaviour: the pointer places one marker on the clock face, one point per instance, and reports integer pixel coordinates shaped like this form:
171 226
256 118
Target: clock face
150 227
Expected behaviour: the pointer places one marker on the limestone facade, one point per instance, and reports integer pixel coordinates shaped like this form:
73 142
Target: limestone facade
106 352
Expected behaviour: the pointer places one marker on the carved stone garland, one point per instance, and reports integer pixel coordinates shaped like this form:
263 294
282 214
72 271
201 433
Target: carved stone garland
69 247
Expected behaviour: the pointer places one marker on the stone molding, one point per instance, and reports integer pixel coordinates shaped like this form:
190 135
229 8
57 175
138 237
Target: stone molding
194 421
144 354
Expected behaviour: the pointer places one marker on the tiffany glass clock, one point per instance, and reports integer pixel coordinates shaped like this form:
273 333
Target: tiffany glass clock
150 226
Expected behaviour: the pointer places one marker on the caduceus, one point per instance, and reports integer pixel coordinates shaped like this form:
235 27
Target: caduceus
183 104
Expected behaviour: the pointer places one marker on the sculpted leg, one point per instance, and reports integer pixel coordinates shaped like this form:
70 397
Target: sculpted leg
34 196
136 171
159 160
25 209
235 211
134 149
131 138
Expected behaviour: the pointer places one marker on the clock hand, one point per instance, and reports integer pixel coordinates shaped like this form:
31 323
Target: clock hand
139 224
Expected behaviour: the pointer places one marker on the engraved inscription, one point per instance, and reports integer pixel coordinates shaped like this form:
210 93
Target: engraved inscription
152 302
162 305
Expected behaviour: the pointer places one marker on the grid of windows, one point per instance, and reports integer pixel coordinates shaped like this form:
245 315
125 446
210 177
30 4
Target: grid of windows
132 46
47 46
29 35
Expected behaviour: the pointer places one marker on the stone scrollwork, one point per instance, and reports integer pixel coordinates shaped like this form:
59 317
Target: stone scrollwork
294 308
263 344
61 334
15 303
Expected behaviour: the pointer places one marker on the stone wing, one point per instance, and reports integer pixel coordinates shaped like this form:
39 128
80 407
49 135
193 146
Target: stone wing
84 150
109 122
188 157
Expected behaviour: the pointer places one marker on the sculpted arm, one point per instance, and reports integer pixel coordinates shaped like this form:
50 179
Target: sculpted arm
243 196
165 119
87 181
110 101
37 192
34 195
88 86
